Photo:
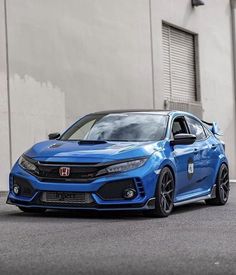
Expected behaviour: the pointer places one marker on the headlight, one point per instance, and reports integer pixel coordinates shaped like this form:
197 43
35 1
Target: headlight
27 165
123 167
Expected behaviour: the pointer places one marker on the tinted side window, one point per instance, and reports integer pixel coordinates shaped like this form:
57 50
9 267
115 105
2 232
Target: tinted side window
195 128
179 126
207 131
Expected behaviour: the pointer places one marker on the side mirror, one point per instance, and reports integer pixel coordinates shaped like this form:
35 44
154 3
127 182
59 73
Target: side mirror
183 139
54 136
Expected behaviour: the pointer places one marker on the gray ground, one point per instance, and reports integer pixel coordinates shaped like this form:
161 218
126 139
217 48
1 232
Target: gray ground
195 239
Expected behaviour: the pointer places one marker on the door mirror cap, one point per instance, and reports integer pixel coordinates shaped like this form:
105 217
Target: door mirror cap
183 139
54 135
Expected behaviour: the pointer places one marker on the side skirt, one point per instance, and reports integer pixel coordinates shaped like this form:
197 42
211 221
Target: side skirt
212 195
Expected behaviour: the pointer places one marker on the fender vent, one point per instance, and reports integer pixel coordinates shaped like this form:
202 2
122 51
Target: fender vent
140 187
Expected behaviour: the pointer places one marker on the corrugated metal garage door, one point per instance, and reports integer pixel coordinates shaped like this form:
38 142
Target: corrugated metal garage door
179 65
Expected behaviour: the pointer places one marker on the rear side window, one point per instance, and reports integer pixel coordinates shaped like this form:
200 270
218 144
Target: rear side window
196 128
207 131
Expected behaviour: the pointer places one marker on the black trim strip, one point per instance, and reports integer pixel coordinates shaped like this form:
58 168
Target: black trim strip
207 123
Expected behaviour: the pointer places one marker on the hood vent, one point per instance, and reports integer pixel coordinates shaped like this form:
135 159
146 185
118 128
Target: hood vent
91 142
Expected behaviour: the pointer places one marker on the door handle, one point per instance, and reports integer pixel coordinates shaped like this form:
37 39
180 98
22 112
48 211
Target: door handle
195 151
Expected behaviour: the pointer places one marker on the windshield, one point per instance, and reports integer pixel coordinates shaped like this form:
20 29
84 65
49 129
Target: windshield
118 127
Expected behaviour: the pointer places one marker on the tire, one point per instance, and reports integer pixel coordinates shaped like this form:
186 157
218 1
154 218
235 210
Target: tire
164 195
32 210
222 187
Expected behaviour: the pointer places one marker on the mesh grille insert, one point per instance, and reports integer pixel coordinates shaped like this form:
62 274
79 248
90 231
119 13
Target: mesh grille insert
67 197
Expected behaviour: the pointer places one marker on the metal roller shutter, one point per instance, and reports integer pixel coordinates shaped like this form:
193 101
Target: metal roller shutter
179 65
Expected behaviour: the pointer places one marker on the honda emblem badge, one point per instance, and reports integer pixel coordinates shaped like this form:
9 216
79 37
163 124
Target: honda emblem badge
64 171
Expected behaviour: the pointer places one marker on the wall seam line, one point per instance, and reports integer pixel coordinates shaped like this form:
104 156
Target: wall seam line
152 61
233 36
8 84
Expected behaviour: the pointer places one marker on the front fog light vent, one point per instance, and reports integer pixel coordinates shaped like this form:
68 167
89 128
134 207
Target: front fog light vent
118 190
16 189
129 193
21 187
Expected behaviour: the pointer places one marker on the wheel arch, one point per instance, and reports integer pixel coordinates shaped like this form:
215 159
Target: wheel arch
171 166
172 171
222 160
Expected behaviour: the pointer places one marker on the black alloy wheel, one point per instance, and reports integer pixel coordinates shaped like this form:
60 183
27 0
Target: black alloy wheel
164 194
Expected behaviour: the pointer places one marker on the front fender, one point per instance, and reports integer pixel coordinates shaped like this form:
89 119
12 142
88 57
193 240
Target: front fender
162 161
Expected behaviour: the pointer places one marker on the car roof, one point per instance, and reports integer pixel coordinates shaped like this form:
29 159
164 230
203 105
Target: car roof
162 112
153 111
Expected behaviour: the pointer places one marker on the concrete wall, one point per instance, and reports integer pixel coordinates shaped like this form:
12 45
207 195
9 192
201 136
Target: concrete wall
67 58
212 23
96 51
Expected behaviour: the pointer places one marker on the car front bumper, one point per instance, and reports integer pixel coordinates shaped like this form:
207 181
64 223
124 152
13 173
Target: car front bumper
144 181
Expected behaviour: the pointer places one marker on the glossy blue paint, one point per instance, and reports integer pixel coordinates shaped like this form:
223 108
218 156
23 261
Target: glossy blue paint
206 155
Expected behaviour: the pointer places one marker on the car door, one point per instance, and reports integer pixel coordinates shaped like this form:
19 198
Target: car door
184 157
215 150
200 181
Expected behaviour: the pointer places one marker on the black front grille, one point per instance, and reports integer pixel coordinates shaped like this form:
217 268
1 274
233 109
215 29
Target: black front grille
26 190
78 172
114 190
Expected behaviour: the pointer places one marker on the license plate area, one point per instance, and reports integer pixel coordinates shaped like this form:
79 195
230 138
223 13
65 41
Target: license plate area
67 197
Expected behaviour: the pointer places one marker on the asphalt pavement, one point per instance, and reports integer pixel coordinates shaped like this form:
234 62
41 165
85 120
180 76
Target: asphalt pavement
195 239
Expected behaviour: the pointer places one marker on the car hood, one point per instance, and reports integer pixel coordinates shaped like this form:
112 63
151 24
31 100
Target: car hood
72 151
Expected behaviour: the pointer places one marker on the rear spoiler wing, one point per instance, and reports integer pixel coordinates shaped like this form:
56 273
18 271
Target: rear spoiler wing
213 127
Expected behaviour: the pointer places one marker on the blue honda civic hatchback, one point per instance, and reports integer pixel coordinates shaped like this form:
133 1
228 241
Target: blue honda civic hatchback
124 160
